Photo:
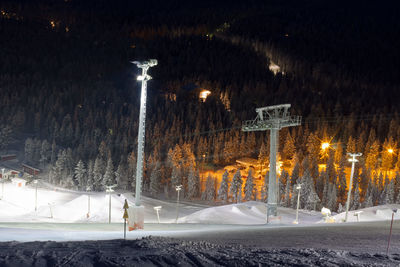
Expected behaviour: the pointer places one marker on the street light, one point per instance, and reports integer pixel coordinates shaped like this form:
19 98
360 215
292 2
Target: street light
88 189
144 65
109 190
390 150
353 161
325 146
178 188
298 187
36 185
157 209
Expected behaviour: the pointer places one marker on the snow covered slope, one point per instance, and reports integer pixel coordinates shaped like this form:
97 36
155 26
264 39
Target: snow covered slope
59 205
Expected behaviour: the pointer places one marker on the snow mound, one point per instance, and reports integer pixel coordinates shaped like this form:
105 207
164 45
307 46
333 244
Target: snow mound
251 212
377 213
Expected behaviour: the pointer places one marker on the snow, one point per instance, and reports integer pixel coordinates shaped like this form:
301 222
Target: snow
156 251
68 206
251 213
242 226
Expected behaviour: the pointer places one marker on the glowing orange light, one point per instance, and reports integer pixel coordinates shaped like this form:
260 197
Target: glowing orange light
325 145
390 150
204 94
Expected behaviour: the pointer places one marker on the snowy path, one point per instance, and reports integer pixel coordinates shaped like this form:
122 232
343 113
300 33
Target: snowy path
172 252
368 237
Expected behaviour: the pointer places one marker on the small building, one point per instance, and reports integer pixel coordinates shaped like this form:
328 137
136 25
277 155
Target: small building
18 182
30 170
8 157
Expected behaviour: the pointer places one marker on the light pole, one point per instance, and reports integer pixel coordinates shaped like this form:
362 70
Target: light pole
157 209
109 190
36 185
2 183
88 189
178 188
298 187
139 210
353 161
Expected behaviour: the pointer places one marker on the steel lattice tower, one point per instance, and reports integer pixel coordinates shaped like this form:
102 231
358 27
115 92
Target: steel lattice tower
272 118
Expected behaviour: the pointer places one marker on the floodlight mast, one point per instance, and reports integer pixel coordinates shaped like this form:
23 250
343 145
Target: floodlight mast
272 118
144 65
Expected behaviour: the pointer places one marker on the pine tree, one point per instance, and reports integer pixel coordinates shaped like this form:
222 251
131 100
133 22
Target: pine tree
287 194
342 184
371 161
29 150
289 149
98 173
121 175
249 187
45 153
313 146
109 176
155 180
332 202
131 172
209 192
263 157
351 145
295 173
90 180
330 168
236 186
264 188
176 178
80 174
308 196
60 167
390 192
193 184
356 198
223 190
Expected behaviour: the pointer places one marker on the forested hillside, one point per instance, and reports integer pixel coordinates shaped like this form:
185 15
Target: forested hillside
70 99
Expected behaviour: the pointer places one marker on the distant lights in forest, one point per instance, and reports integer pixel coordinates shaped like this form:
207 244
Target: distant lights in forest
274 68
52 24
204 94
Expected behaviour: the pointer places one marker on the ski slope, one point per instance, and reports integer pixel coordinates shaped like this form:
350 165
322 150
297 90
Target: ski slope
56 205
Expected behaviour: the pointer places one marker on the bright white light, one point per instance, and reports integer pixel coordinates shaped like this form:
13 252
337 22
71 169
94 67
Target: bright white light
178 187
325 145
390 150
140 78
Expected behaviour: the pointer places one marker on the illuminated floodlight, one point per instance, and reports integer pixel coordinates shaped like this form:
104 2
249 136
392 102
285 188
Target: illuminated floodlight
353 161
325 145
390 150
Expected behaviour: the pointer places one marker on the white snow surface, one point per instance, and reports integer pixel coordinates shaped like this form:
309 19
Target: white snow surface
56 205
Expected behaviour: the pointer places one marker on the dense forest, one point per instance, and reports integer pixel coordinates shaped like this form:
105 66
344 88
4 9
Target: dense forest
70 99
